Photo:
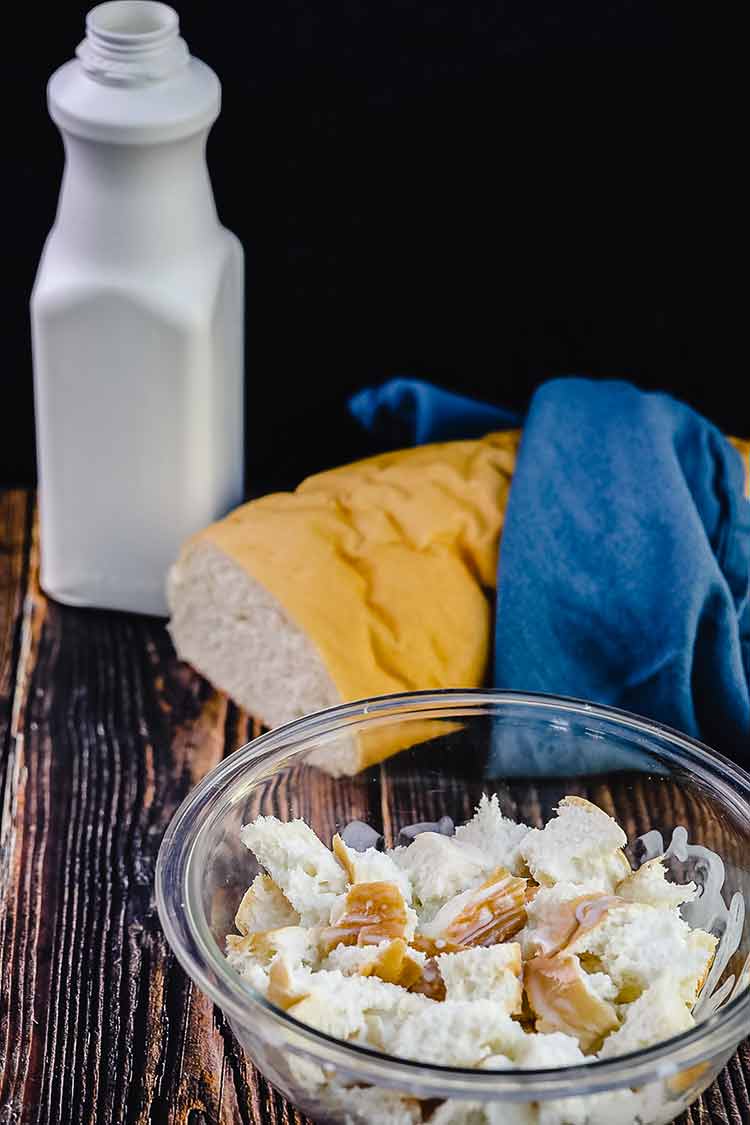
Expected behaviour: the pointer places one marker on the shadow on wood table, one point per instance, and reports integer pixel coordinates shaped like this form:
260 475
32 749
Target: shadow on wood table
103 732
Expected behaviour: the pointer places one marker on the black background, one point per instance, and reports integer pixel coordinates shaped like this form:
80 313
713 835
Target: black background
482 194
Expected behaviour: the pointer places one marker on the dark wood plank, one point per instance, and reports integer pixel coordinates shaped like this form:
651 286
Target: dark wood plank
15 527
15 507
109 734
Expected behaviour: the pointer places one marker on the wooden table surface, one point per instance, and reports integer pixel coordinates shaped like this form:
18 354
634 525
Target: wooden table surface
103 732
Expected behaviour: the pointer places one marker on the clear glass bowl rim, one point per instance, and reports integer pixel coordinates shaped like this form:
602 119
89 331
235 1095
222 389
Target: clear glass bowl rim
178 909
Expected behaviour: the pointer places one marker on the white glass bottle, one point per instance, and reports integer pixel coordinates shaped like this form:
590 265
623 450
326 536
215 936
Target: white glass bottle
137 318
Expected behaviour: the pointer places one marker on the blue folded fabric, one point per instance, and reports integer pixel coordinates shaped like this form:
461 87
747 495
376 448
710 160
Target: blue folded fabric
624 573
426 413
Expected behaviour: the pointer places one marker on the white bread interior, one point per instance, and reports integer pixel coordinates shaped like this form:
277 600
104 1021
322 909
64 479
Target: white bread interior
234 632
659 1013
264 907
310 877
581 844
485 973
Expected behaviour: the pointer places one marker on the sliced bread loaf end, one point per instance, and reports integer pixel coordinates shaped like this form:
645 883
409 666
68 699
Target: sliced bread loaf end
368 580
237 634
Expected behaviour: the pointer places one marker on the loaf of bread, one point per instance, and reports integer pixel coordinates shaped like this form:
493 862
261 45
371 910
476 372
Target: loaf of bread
368 579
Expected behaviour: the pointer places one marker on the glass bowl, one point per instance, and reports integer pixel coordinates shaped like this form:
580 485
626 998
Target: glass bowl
451 747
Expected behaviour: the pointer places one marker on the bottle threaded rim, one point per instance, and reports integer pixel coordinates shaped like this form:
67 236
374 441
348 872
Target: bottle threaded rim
132 41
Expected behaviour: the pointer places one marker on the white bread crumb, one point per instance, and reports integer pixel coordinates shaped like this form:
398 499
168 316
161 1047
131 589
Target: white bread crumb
658 1014
582 844
296 944
457 1033
299 863
511 1113
601 985
349 959
702 946
618 1107
484 973
371 1105
264 907
496 1062
439 867
541 933
453 1112
542 1052
649 885
252 970
439 924
636 943
364 1009
496 836
310 1076
372 866
567 1111
339 907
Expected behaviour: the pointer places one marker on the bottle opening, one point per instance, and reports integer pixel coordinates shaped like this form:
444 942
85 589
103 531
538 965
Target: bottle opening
132 41
124 21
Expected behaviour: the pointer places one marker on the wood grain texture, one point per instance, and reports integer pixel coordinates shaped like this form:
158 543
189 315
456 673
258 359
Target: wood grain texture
103 732
14 534
109 732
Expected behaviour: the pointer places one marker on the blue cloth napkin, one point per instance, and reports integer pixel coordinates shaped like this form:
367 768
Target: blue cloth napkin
425 413
624 573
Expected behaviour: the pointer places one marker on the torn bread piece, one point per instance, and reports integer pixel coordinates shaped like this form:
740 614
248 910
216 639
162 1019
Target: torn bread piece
363 1009
371 1105
568 1111
438 868
286 988
496 836
635 943
453 1112
391 961
251 971
371 866
562 1000
307 873
279 981
649 885
485 1113
511 1113
582 844
484 973
702 946
368 914
493 912
552 916
617 1107
601 985
296 944
264 907
659 1013
543 1052
457 1033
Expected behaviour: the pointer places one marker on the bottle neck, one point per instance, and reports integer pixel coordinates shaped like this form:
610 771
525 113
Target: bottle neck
122 203
131 43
